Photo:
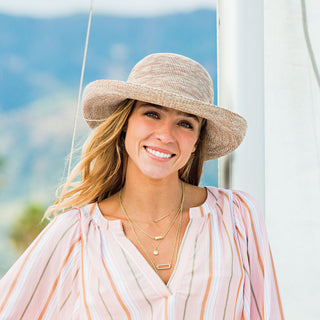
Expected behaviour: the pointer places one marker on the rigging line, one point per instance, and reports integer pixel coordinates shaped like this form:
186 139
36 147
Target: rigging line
80 87
315 70
308 42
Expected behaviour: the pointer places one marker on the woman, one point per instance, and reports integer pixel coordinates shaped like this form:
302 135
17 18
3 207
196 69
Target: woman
142 240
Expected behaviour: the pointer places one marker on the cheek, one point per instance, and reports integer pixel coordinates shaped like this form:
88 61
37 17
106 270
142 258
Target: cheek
137 130
130 135
190 143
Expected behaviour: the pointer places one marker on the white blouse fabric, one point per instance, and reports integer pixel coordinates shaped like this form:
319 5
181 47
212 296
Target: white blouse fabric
82 266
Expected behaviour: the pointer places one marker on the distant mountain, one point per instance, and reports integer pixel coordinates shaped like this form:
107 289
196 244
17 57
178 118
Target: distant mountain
39 57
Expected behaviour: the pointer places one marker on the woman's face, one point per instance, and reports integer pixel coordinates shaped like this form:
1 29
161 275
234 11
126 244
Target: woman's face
160 140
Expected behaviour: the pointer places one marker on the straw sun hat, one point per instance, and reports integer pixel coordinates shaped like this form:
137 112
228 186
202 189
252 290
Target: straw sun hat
173 81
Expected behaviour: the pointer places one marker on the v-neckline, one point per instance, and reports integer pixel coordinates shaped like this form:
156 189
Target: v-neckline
153 277
133 252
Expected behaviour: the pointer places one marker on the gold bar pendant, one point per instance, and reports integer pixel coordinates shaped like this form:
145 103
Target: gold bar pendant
158 238
164 266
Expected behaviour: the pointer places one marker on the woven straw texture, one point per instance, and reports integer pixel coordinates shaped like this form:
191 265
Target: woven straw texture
172 81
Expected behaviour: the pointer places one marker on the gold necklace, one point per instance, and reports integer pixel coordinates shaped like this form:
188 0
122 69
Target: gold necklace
160 237
161 266
161 218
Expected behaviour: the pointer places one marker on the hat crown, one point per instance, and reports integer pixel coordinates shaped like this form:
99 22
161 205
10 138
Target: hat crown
175 74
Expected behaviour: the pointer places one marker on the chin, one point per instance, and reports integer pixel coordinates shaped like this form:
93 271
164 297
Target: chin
155 174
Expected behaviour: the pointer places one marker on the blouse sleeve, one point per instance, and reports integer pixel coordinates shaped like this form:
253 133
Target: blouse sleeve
45 276
262 288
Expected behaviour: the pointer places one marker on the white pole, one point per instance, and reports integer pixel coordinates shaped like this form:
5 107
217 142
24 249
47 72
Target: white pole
292 100
241 88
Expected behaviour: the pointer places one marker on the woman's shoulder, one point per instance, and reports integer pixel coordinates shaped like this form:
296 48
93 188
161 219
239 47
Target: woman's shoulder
239 206
238 197
240 203
78 218
67 218
65 231
63 223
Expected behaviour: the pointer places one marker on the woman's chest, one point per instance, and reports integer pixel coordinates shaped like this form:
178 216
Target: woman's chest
208 272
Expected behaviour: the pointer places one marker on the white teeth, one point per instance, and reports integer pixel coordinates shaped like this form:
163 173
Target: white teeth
159 154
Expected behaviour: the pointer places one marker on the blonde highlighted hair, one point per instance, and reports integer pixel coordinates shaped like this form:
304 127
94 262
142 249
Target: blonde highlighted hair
103 163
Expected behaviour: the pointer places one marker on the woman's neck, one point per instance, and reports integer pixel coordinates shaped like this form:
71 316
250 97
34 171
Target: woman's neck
149 199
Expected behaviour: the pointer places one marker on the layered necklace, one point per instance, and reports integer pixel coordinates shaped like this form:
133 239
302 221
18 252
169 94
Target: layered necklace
158 238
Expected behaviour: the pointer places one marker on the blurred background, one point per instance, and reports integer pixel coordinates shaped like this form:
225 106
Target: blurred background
268 49
41 51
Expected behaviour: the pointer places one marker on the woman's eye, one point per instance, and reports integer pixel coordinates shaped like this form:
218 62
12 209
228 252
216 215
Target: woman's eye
186 124
152 114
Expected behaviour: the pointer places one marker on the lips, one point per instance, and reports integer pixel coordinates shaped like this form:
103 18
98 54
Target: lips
160 153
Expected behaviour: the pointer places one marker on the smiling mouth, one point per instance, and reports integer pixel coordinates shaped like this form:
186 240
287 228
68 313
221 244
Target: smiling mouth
159 154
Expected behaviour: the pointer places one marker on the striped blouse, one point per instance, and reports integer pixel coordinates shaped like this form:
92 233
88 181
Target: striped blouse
82 266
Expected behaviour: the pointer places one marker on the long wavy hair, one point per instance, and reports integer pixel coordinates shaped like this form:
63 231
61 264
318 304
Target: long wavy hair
102 168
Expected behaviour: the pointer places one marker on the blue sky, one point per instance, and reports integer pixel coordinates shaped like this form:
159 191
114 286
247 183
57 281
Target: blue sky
50 8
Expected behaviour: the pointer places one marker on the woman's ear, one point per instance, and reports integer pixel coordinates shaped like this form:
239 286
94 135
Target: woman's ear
195 146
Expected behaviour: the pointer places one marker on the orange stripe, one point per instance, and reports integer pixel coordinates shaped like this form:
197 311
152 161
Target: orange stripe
91 211
239 233
166 308
224 194
35 243
257 246
201 210
240 264
58 277
276 283
210 271
254 236
83 286
116 291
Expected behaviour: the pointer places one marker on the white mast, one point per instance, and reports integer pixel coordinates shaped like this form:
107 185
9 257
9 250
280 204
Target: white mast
241 87
293 153
265 60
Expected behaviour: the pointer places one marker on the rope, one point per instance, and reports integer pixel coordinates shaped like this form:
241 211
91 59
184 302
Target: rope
316 73
308 42
80 88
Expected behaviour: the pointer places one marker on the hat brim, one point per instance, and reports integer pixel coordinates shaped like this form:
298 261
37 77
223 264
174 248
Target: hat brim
225 129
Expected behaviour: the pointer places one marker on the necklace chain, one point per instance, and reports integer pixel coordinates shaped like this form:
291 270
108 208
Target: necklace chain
162 266
161 218
159 237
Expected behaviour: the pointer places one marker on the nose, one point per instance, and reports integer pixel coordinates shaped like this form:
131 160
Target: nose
165 132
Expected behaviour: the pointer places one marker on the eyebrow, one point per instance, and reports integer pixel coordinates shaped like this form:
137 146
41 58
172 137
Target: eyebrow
165 109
